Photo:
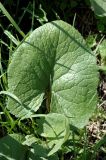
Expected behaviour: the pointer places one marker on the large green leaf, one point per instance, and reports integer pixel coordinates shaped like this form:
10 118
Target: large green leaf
99 7
54 58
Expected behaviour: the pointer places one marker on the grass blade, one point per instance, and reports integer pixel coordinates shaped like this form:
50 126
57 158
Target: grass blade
11 37
5 12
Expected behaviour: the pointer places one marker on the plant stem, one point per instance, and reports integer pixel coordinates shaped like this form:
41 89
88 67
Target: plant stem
85 144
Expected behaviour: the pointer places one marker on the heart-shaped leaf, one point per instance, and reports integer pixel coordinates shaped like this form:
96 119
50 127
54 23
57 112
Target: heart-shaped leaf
54 61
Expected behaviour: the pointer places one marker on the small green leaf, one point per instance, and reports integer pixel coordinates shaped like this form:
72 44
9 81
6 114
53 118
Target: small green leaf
49 129
29 140
55 128
40 152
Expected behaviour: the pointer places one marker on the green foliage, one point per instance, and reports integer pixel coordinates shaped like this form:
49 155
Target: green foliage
11 147
101 24
55 128
99 7
49 110
14 147
53 64
91 40
54 61
102 52
11 19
